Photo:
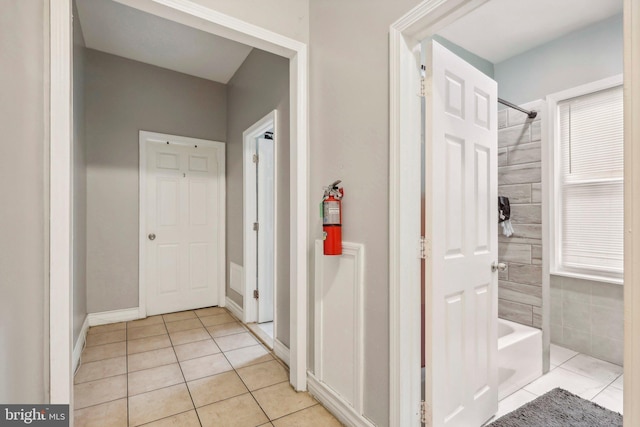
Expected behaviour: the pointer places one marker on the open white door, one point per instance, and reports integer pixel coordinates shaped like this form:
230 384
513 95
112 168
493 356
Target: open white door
265 187
183 217
461 232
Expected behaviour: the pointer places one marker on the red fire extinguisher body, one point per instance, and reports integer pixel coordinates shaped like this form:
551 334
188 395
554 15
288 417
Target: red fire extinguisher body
332 221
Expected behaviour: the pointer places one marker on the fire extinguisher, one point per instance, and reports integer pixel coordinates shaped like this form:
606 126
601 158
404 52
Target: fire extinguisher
332 219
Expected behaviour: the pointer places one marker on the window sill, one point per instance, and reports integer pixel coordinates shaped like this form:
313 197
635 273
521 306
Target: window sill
592 277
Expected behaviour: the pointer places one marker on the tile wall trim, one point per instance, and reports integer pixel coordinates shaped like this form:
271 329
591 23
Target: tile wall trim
335 404
114 316
79 345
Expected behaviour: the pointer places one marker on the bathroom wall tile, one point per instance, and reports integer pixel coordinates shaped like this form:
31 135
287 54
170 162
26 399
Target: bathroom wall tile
536 193
514 135
520 313
576 290
530 232
504 275
536 131
502 118
556 334
526 214
537 317
520 174
503 157
576 316
556 311
516 117
516 292
525 273
517 193
514 252
576 340
536 254
555 286
607 322
607 295
606 348
525 153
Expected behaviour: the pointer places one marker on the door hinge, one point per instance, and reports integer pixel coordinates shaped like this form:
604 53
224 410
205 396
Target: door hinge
256 159
423 412
256 226
424 248
256 294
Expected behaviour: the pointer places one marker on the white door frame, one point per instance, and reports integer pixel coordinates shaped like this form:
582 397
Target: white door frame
250 305
419 23
144 139
61 139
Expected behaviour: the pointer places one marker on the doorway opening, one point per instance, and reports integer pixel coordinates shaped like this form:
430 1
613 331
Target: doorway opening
260 226
426 21
61 141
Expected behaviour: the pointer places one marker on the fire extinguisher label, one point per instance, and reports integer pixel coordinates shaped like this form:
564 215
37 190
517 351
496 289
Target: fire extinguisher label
331 213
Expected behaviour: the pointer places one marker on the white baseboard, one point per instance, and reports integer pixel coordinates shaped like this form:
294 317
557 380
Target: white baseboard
234 308
281 351
332 401
113 316
79 346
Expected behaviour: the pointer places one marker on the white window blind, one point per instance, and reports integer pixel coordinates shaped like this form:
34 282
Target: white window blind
591 183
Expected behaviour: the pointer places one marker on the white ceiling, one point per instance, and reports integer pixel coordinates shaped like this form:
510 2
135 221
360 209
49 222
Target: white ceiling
501 29
124 31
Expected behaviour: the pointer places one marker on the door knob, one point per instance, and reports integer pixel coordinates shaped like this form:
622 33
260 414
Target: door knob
152 236
499 266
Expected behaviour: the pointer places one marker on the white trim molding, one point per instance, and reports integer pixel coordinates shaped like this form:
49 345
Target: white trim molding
79 346
114 316
60 202
338 407
339 322
234 308
281 351
631 213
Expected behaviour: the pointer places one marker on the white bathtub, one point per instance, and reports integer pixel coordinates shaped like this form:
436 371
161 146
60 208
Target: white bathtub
519 356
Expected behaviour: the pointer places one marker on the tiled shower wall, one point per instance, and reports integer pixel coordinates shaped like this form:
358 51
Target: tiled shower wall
588 316
519 179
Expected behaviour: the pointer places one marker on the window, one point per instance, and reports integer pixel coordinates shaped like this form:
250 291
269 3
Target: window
588 182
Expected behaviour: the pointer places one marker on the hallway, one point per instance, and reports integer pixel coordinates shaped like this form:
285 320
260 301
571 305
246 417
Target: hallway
192 368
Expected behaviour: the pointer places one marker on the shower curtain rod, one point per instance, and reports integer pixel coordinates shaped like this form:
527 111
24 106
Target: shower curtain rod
530 114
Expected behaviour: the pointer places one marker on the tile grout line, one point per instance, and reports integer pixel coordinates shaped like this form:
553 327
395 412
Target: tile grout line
186 384
236 372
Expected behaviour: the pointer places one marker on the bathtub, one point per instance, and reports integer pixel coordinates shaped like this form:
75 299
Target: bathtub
519 356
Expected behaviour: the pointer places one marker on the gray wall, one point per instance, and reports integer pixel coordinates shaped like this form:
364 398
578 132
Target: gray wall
79 184
477 61
580 57
588 316
259 86
23 184
123 97
519 179
349 140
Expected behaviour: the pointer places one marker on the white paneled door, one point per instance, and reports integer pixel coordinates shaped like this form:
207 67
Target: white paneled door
461 223
265 189
182 224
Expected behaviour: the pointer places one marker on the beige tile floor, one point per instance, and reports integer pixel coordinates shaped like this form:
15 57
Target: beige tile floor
192 368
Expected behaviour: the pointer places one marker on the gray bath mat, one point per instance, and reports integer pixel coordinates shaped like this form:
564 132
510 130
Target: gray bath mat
559 408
